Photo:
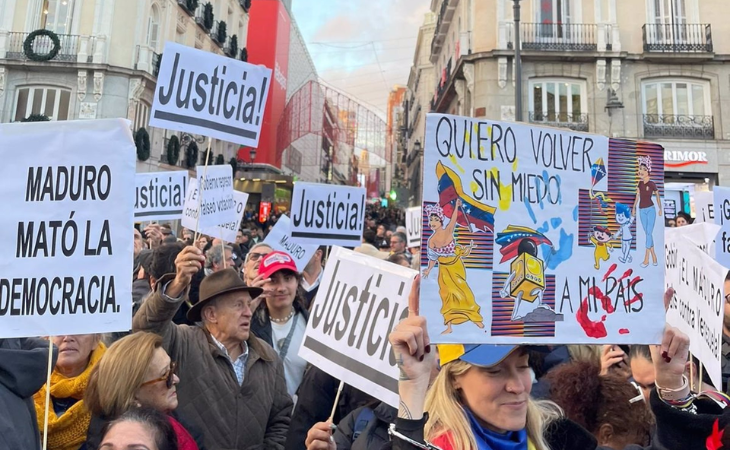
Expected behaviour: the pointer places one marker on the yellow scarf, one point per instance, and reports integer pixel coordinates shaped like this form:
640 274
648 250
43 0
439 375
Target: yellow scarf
530 445
69 431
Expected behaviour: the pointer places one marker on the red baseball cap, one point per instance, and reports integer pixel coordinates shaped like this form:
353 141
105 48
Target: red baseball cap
276 261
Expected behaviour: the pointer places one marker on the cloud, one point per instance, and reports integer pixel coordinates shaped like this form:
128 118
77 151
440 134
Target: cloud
363 47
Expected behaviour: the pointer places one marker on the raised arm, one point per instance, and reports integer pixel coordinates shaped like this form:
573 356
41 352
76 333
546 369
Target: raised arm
156 313
454 215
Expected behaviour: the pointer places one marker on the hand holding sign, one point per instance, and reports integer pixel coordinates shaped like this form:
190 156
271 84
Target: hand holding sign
671 356
320 437
188 263
412 349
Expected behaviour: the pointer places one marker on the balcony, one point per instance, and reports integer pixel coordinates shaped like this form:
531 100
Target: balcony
218 37
561 37
571 37
245 4
575 122
443 23
188 6
147 60
679 126
677 38
73 48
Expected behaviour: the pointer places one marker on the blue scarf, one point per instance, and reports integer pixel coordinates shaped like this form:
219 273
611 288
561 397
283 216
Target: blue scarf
491 440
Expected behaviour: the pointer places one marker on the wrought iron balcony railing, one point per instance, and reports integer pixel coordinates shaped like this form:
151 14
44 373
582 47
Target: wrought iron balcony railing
678 38
575 122
679 126
559 36
42 45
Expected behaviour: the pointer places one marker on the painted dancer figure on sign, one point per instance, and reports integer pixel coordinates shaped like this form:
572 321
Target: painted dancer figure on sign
459 305
645 190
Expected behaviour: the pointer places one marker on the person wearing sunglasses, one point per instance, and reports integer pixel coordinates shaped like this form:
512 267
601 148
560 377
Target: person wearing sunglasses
135 372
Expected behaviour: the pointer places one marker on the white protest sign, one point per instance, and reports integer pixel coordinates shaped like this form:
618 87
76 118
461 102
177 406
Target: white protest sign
413 226
697 308
67 244
160 195
279 238
540 235
722 218
204 93
325 214
704 207
215 186
227 230
359 301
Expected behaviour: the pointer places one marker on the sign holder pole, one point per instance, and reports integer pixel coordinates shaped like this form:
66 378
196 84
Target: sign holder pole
691 374
200 201
702 366
337 400
48 392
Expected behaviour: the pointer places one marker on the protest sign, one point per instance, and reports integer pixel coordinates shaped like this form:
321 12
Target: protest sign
697 307
414 219
722 217
215 196
67 243
540 235
326 214
213 95
160 195
226 230
279 238
359 301
704 207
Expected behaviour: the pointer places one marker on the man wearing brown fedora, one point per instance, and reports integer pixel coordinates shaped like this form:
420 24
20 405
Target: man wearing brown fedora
232 385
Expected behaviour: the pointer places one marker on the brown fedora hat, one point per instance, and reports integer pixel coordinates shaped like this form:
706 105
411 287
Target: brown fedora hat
218 283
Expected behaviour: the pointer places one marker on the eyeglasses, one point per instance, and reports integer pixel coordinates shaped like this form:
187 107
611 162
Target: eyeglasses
167 378
256 256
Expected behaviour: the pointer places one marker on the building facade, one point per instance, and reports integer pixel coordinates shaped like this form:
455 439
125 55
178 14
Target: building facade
650 69
108 58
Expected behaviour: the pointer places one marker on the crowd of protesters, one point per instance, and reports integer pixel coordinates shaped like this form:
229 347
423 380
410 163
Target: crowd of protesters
211 362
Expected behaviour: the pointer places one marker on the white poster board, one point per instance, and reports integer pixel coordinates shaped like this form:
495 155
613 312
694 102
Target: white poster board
697 308
215 187
414 222
359 302
160 195
67 245
279 238
226 230
213 95
704 207
722 218
325 214
540 235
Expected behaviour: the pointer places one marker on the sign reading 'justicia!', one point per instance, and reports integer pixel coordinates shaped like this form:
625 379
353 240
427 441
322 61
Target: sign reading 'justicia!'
216 96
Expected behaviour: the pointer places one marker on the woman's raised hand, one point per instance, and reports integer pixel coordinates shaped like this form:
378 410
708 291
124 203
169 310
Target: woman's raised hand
415 359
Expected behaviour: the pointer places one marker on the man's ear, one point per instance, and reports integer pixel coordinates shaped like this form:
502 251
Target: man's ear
604 434
208 314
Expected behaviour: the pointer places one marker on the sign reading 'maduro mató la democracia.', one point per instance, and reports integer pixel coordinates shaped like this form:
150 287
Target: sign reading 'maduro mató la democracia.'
216 96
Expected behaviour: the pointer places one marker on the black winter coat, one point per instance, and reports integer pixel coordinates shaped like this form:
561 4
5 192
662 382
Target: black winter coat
373 437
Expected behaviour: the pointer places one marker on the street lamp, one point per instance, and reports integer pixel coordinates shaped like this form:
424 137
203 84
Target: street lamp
518 63
252 154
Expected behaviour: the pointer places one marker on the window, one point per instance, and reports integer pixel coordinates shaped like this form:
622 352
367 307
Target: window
676 98
141 115
666 12
153 27
57 15
554 11
49 101
677 109
558 101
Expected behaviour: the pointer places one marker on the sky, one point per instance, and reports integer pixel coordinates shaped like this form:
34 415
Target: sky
362 47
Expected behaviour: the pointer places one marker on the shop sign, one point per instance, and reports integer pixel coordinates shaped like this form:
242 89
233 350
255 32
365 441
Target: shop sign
679 158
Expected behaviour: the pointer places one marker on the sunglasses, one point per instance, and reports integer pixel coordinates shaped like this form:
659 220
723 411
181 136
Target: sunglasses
167 378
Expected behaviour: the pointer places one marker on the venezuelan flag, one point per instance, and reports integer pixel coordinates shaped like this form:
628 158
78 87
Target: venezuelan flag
473 215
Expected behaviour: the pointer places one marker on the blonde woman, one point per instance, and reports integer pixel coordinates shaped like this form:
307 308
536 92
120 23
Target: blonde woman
481 400
135 372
